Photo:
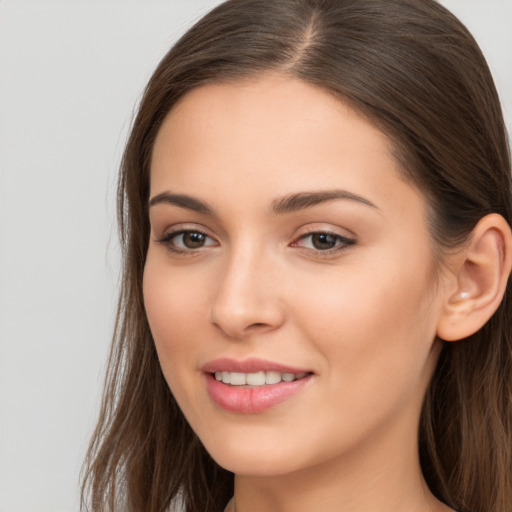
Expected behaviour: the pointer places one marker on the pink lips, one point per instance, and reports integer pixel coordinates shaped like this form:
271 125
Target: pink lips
250 400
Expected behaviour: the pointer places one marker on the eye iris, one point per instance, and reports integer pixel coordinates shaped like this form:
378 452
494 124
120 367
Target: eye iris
323 241
193 239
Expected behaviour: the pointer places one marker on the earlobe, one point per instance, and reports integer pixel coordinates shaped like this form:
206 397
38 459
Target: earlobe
481 274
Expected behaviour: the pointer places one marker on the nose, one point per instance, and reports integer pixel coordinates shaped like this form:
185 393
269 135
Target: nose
247 299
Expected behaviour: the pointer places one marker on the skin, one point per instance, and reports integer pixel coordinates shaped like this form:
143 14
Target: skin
362 317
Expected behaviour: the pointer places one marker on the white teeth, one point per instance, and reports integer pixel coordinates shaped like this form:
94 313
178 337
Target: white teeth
257 378
272 377
238 379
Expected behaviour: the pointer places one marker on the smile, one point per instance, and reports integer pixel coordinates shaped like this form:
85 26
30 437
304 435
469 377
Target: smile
257 379
253 385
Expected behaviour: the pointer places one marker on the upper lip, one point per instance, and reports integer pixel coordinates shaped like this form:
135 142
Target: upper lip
251 365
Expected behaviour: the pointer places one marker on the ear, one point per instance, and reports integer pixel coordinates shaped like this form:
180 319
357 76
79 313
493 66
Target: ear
478 278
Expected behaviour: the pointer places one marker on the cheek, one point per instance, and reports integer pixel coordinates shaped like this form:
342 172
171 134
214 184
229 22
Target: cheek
174 302
374 328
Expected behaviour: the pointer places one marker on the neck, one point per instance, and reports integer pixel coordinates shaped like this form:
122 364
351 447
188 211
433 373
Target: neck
371 479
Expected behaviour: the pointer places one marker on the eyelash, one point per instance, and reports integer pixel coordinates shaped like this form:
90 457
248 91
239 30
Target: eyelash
168 238
342 243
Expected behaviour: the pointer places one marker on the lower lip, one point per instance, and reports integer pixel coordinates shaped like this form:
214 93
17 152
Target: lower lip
251 400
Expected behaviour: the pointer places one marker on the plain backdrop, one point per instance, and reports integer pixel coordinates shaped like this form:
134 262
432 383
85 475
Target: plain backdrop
71 72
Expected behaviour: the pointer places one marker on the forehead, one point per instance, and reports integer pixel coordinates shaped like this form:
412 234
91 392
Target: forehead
266 105
275 134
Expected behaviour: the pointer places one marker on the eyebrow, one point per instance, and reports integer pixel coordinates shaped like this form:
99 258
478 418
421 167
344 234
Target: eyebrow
183 201
287 204
303 200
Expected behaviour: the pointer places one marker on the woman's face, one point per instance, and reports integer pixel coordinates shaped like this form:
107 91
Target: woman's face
289 282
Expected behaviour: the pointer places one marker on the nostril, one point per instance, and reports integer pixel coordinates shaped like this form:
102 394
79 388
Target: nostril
258 326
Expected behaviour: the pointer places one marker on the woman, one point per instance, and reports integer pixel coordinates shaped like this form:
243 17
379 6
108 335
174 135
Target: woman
315 208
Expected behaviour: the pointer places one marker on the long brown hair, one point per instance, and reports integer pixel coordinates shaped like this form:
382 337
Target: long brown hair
416 72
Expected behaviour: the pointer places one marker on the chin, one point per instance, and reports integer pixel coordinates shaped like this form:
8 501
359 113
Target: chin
256 467
252 457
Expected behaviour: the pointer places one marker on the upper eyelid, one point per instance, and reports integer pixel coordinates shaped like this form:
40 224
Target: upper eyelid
345 239
325 232
169 234
320 227
184 227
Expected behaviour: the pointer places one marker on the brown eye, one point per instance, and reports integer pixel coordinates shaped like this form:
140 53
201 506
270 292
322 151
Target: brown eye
193 239
186 240
324 241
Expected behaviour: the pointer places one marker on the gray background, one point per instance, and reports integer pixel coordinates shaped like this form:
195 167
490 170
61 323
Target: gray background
71 72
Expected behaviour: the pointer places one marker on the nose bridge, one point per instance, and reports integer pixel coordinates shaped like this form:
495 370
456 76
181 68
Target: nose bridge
247 298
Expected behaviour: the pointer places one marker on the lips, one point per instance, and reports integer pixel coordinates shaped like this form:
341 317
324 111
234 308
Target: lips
253 385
